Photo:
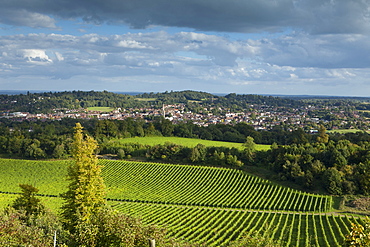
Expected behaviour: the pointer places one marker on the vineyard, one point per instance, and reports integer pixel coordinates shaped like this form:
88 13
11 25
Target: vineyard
217 226
204 205
204 186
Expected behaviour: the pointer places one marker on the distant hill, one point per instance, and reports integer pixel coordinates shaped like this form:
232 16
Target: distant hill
37 102
43 102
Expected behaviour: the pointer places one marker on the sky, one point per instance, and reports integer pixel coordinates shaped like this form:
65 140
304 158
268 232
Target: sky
289 47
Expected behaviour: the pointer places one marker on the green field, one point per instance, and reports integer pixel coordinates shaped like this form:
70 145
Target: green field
188 142
198 204
344 131
100 109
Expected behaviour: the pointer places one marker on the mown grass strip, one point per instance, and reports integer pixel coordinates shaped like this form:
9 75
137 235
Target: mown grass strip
100 109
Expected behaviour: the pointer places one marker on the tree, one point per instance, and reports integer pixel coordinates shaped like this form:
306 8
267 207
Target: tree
15 231
59 152
332 179
27 201
362 174
323 137
34 150
86 191
198 153
249 148
121 154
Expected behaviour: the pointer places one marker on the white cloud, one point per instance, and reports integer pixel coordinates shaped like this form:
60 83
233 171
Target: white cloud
204 61
35 56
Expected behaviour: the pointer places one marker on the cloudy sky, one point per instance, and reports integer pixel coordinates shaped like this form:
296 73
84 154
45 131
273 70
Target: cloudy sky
316 47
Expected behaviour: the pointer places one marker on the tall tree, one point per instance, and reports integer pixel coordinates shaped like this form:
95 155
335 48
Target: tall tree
86 191
249 148
322 137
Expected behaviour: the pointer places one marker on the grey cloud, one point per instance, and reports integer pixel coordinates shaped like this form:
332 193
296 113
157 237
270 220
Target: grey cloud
22 17
316 16
321 51
334 16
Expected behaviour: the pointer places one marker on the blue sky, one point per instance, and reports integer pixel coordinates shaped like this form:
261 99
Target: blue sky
315 47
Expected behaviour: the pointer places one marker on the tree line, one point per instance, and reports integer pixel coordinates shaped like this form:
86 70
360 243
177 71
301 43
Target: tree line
51 139
45 102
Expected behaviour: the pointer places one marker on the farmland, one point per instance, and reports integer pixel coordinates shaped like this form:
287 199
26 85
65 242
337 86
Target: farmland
218 226
100 109
198 204
344 131
188 142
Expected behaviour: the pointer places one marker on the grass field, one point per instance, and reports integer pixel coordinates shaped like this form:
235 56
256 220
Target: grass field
344 131
100 109
188 142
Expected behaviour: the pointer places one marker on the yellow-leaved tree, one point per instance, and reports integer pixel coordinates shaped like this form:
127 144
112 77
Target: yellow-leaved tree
86 191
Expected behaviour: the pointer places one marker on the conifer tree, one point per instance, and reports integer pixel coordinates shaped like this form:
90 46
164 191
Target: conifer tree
27 201
86 191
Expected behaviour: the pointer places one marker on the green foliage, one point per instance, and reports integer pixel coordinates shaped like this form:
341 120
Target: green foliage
117 229
198 153
359 235
34 151
59 152
333 181
249 148
322 137
86 191
121 154
35 231
28 201
362 172
255 240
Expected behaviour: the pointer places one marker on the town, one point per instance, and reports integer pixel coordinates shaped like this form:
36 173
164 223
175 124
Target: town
261 117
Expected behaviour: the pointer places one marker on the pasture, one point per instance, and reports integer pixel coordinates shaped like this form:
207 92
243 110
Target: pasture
188 142
100 109
344 131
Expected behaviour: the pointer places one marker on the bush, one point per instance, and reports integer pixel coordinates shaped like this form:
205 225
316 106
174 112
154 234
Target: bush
18 229
360 235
